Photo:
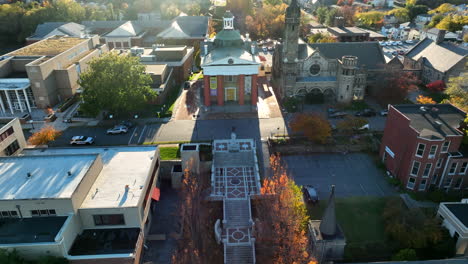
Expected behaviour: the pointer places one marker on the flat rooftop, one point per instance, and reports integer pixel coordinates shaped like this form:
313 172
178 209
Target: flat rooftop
157 69
121 166
49 47
30 230
436 121
348 30
14 84
460 210
48 176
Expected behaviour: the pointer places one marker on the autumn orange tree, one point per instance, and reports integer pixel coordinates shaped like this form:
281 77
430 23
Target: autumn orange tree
197 244
281 225
350 124
313 126
421 99
44 136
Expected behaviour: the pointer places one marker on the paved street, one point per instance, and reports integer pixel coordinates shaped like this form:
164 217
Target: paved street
354 174
99 134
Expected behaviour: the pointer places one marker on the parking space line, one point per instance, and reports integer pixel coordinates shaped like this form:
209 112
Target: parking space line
363 189
380 189
130 140
142 133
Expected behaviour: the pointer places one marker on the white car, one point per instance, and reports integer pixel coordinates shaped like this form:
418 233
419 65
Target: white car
81 140
382 43
364 127
399 43
409 41
117 130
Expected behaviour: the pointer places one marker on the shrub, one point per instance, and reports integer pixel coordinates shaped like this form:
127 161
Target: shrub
407 254
291 104
44 136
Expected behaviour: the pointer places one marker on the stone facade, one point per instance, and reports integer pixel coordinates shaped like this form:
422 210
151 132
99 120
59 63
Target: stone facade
330 70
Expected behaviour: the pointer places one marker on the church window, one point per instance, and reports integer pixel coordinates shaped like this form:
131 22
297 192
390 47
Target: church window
314 69
347 87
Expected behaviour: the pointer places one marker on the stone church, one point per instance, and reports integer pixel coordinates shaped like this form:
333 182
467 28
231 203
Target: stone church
338 72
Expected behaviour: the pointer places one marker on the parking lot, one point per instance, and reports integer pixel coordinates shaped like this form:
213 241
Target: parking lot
353 174
98 133
390 50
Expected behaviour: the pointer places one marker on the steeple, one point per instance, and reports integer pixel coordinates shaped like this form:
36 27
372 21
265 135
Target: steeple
290 47
328 224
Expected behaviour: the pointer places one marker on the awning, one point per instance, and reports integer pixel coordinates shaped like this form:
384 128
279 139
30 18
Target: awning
155 194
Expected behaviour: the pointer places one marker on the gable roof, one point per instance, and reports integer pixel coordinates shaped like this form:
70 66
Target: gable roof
127 29
186 27
441 57
369 53
49 29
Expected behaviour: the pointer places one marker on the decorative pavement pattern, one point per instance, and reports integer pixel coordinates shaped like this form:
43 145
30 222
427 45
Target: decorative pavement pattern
235 184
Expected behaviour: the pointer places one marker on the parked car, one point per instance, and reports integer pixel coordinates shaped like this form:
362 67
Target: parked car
127 123
365 127
399 43
382 43
401 52
117 130
384 112
394 53
265 49
337 115
409 41
331 110
81 140
310 194
368 112
271 48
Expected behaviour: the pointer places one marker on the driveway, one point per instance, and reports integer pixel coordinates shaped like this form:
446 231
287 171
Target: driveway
353 174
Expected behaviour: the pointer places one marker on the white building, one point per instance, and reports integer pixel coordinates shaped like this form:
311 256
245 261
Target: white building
78 203
11 137
455 218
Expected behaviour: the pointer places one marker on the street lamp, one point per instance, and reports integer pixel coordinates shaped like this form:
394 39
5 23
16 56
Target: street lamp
158 114
196 128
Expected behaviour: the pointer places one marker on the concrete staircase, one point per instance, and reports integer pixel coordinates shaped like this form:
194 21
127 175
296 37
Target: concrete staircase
239 255
237 213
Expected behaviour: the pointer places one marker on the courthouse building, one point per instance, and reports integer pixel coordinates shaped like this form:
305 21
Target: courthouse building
230 66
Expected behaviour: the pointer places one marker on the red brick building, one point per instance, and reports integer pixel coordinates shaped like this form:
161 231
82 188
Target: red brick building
421 147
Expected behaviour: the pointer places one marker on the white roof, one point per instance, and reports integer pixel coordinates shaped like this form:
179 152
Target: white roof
14 83
49 176
121 166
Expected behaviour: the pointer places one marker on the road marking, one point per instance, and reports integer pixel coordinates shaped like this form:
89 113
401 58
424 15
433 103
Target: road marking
383 194
142 133
363 189
130 140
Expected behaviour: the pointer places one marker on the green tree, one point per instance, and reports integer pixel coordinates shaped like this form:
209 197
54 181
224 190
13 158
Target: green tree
453 23
435 20
457 90
402 14
115 83
410 227
407 254
370 19
415 10
321 38
321 14
443 8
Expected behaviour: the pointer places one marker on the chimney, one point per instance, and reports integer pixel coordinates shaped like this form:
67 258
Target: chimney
440 36
339 22
205 49
252 49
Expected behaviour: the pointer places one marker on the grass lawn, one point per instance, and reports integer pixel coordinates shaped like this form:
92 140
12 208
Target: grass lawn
169 153
359 217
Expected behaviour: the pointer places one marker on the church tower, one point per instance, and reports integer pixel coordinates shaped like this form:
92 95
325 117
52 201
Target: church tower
290 47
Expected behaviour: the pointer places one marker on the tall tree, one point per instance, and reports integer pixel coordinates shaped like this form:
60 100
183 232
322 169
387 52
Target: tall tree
351 124
282 219
313 126
457 90
395 86
115 83
424 100
370 19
